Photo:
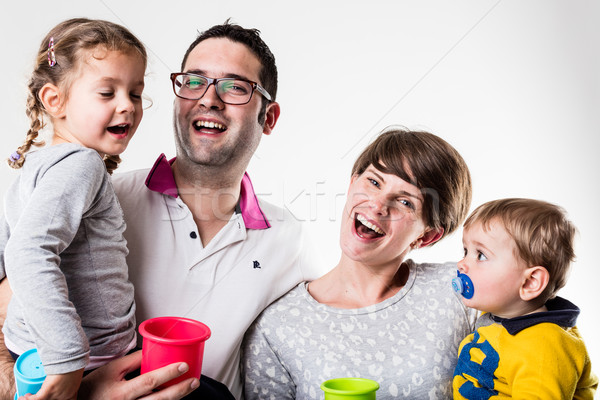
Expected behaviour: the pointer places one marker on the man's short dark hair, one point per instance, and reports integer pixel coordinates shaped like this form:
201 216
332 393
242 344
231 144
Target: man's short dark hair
251 38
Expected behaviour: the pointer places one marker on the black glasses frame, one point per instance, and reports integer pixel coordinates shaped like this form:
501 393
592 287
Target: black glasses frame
215 81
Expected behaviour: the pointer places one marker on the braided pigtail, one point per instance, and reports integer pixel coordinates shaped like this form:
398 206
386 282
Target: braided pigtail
35 112
111 162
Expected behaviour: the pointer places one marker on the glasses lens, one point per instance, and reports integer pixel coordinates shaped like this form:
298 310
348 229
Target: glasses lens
234 91
190 86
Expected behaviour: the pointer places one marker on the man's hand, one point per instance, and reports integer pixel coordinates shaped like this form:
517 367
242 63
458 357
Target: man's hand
108 382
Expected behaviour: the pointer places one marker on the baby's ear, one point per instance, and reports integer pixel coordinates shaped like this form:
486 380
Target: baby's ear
51 98
536 280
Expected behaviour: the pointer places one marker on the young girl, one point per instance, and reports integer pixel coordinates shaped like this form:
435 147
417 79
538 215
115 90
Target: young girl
61 238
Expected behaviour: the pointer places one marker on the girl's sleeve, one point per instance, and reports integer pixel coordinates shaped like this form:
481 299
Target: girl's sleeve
48 224
4 234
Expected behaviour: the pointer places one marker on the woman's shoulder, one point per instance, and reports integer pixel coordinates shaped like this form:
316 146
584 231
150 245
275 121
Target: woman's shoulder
291 304
433 284
438 272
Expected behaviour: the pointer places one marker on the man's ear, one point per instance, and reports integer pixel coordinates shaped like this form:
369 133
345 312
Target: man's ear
51 98
271 116
429 237
536 280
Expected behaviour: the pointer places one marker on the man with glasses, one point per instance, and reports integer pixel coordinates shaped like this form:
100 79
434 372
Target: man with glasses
201 245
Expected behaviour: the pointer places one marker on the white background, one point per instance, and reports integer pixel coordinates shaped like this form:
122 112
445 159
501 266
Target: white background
513 85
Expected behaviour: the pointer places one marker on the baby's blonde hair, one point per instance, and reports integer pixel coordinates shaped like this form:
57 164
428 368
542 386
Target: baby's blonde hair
71 39
541 231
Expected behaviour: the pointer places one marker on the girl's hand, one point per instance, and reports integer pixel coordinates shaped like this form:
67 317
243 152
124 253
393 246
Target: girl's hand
59 387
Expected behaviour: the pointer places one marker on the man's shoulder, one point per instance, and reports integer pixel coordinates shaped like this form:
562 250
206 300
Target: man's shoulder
131 190
279 216
120 178
127 182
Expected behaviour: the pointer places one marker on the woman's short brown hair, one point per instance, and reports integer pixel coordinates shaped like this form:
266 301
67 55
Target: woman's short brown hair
542 233
431 164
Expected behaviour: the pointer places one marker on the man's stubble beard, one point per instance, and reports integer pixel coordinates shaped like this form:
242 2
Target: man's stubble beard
229 154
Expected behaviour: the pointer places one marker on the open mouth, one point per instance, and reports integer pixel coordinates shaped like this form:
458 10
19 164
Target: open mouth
122 129
209 127
365 229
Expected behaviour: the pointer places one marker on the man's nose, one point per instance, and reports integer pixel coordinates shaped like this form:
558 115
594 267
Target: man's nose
211 98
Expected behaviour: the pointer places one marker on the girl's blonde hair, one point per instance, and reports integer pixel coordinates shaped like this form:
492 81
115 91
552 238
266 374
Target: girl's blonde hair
71 39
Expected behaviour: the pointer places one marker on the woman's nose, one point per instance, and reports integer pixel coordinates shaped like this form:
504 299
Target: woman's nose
379 205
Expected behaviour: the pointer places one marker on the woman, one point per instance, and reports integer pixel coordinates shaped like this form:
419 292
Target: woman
375 315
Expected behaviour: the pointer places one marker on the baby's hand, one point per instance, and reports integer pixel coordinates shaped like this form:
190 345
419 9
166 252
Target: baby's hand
60 387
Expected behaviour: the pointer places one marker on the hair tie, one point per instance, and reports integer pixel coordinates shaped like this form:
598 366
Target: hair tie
14 157
51 55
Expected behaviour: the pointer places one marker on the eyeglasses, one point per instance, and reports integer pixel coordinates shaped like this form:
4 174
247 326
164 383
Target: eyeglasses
230 90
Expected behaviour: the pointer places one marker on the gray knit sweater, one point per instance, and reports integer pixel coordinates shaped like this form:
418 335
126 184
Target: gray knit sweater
63 251
407 343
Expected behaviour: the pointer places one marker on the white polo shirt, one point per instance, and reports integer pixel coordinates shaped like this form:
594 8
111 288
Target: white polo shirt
257 257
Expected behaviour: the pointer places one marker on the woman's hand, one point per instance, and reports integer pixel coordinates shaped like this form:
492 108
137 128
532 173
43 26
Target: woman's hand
108 382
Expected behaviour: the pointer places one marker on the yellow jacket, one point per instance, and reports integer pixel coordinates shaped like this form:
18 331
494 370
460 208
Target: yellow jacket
535 356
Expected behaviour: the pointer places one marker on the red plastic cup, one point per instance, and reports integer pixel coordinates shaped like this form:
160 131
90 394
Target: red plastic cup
173 339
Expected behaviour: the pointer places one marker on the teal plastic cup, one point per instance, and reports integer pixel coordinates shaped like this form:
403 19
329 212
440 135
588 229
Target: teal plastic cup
29 373
350 389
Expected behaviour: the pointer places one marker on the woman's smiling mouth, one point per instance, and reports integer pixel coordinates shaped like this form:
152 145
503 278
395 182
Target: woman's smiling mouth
366 229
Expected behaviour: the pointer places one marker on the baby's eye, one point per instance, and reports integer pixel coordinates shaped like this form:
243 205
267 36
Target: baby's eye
106 94
136 96
464 252
481 256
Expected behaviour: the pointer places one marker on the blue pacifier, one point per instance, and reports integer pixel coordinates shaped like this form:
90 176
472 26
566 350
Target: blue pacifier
462 284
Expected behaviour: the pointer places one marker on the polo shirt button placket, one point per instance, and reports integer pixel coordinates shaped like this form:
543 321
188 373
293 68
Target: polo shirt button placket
193 235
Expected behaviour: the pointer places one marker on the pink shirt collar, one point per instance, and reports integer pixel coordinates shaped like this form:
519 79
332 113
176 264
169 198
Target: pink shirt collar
161 180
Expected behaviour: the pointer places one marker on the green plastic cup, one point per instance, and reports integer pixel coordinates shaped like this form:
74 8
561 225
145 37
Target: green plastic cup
350 389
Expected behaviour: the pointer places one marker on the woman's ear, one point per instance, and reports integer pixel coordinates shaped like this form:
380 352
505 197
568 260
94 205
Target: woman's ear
51 98
429 237
536 281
